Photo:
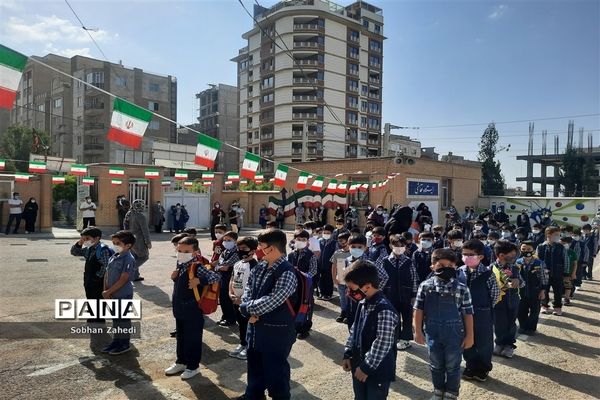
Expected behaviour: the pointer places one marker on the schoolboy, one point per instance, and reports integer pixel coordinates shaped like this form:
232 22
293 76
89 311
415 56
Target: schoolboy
339 228
328 248
492 238
401 287
410 245
537 235
338 267
378 251
555 257
313 242
303 259
443 316
246 247
192 232
220 230
507 233
484 293
227 260
438 234
370 353
589 241
421 258
455 241
507 307
534 274
175 241
571 271
96 255
189 319
118 286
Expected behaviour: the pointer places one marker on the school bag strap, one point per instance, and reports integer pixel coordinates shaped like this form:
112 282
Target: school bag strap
208 300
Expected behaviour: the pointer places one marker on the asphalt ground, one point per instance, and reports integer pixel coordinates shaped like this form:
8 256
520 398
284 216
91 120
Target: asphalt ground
560 362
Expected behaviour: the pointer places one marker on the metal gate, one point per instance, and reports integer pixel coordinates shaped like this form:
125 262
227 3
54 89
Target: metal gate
139 192
196 204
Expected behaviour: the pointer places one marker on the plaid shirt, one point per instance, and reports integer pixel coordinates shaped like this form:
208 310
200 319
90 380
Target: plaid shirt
383 276
492 283
283 289
462 294
542 273
397 261
313 264
89 252
387 320
228 258
206 276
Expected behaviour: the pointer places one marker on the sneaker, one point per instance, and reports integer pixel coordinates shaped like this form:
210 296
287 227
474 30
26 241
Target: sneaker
302 335
327 298
236 351
507 352
189 373
450 396
109 348
403 345
225 323
437 395
567 302
557 311
319 297
481 376
120 349
498 349
175 369
139 279
340 319
173 333
545 310
242 355
468 374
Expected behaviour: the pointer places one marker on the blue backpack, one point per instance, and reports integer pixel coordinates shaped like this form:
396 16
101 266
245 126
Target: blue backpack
99 250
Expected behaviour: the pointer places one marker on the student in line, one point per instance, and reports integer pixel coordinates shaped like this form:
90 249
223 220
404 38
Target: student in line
338 271
534 274
224 267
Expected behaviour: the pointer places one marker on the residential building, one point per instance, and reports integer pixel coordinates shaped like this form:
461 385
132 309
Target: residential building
403 145
218 116
310 82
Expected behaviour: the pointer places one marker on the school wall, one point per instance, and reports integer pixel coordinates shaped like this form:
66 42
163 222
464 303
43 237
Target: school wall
39 187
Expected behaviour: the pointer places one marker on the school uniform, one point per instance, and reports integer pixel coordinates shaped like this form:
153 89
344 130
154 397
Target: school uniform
438 243
507 307
556 259
458 255
376 254
537 238
484 294
535 276
228 258
588 253
338 261
488 255
371 346
410 249
328 247
444 303
239 279
401 288
271 337
305 261
189 319
421 260
117 265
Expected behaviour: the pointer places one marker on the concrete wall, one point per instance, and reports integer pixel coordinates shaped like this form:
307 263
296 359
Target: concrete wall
40 188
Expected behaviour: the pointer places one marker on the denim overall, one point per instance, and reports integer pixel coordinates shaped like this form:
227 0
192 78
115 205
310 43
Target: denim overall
479 357
444 333
529 307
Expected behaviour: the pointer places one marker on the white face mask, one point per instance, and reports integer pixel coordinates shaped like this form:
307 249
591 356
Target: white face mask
426 244
89 200
118 249
398 250
297 231
478 227
457 243
33 201
427 227
228 244
535 231
219 236
326 236
379 212
300 245
184 257
87 243
309 231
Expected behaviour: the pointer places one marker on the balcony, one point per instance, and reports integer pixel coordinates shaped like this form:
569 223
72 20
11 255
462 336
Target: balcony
374 95
373 142
375 65
315 135
306 27
354 56
249 124
94 106
306 62
302 97
250 140
296 151
314 152
249 109
353 89
266 153
355 39
305 81
353 72
297 134
375 49
302 115
306 45
93 125
376 81
268 136
353 105
93 147
350 153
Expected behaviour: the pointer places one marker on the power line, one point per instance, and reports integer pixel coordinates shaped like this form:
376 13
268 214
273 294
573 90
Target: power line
511 122
87 30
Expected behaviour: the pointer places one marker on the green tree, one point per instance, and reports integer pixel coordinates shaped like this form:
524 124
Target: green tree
577 175
492 181
257 186
590 182
66 191
17 143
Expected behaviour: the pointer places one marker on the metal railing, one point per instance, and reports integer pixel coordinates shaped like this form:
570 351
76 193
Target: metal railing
304 115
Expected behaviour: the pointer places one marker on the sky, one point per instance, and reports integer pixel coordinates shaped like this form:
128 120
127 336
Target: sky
445 62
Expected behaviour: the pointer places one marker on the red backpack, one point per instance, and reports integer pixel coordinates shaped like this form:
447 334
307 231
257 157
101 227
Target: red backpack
208 301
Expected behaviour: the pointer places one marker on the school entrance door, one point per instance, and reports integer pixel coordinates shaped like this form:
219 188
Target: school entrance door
196 204
139 192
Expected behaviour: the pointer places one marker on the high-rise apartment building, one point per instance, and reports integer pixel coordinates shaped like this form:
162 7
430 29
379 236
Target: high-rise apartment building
77 116
310 82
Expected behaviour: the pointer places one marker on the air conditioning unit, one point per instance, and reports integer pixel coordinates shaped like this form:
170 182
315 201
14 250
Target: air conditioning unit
405 161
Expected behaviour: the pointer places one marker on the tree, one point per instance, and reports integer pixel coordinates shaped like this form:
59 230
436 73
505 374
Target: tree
590 182
17 143
492 181
577 175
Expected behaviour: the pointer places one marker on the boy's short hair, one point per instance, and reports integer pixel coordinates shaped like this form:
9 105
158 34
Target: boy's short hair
231 234
190 241
480 235
506 227
190 231
379 231
425 235
340 220
455 234
125 237
248 241
521 231
457 227
566 239
175 239
358 239
221 227
528 243
271 224
539 226
273 237
476 246
493 235
504 247
551 230
310 225
587 227
437 228
328 227
355 231
92 232
344 236
443 254
407 235
397 240
362 272
568 228
302 235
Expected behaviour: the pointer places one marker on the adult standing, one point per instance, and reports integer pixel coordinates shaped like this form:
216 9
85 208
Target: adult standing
323 215
376 217
14 212
88 212
351 218
30 212
179 218
158 216
299 213
280 217
240 216
136 222
217 215
122 207
233 217
262 216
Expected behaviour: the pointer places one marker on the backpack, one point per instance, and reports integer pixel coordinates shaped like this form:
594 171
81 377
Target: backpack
301 302
100 273
208 301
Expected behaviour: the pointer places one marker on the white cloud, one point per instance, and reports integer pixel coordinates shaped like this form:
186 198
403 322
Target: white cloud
498 11
84 51
52 28
10 5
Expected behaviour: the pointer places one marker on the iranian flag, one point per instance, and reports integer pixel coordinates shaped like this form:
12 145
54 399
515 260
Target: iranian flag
391 176
259 178
207 150
22 177
208 176
317 184
353 188
12 65
78 169
228 183
37 166
181 175
302 180
374 186
128 124
364 187
116 182
58 180
332 186
165 183
342 187
151 174
2 165
207 183
243 182
142 182
281 174
88 181
233 177
188 183
250 165
116 172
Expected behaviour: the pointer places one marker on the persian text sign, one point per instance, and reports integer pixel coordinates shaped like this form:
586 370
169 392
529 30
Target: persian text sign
422 188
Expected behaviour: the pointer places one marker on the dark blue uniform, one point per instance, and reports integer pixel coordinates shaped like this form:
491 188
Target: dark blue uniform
400 289
556 260
328 247
422 261
505 312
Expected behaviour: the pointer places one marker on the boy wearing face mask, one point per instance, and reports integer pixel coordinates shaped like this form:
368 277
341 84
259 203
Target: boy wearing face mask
589 245
370 353
189 319
96 255
535 275
507 307
224 267
246 247
304 260
478 227
218 248
421 258
438 234
484 293
338 268
313 242
507 234
118 286
411 247
492 238
443 311
401 287
571 272
455 242
328 247
556 258
339 228
377 251
537 235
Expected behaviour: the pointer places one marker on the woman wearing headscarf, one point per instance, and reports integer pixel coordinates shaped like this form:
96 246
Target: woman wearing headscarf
136 222
216 217
30 212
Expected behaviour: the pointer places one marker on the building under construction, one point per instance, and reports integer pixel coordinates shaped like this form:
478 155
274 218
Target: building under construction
554 160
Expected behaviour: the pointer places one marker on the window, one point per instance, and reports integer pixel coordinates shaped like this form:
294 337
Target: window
374 61
363 122
58 102
352 101
446 192
353 52
353 85
41 107
352 117
120 81
95 78
364 90
153 87
79 101
363 135
268 97
354 35
152 106
353 69
268 82
366 23
375 45
377 29
373 123
79 119
363 106
154 125
362 151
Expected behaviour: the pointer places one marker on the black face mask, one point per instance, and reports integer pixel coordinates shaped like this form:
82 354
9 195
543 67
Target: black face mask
357 295
445 273
527 253
437 234
243 253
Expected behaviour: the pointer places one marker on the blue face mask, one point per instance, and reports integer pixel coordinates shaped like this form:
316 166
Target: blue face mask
356 252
